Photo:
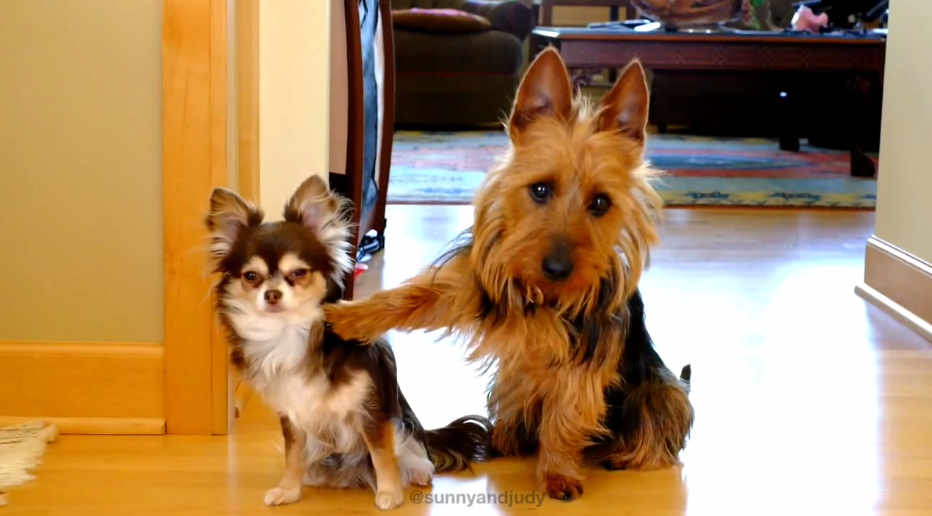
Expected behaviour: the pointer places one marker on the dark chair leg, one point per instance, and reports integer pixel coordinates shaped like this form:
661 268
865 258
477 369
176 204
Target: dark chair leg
613 16
861 165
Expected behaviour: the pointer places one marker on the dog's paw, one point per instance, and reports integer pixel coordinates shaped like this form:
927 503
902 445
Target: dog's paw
388 500
420 477
279 496
563 488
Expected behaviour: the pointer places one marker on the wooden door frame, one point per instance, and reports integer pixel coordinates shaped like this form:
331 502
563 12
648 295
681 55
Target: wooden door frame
196 102
194 161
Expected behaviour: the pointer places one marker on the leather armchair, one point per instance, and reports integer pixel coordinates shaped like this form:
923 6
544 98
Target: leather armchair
454 79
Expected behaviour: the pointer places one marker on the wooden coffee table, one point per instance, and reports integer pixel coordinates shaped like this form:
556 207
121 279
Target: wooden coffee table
783 55
542 11
545 7
736 51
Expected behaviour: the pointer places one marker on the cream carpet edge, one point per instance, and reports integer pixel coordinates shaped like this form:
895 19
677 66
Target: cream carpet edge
22 447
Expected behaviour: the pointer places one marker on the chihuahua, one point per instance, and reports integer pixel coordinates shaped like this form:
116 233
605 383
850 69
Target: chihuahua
344 419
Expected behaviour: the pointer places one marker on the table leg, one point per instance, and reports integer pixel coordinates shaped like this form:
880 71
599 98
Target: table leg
858 93
789 136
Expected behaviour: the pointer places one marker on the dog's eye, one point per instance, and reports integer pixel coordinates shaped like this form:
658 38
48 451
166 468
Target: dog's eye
540 192
599 205
251 276
299 273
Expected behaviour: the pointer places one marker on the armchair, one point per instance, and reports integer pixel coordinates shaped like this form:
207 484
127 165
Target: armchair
459 77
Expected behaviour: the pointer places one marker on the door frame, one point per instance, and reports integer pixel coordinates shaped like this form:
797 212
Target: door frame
195 139
211 120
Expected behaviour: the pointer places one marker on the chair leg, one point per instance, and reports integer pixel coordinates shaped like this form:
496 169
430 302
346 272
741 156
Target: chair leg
861 165
613 16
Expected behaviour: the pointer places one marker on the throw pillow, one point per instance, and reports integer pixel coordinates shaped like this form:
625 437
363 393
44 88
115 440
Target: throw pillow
440 20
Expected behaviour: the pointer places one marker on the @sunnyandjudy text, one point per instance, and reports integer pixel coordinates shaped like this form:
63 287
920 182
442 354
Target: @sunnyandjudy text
508 498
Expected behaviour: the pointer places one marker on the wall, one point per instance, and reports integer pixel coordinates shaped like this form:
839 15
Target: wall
294 84
339 93
904 205
80 188
232 94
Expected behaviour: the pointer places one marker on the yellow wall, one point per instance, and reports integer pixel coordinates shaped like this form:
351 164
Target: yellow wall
80 170
294 83
904 205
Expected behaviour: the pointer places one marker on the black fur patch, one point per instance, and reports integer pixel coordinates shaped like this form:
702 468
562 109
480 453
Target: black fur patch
640 363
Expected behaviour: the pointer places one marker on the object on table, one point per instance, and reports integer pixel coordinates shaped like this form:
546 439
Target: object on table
685 14
808 21
756 15
843 15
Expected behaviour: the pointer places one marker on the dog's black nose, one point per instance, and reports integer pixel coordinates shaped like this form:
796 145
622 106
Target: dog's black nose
273 296
558 265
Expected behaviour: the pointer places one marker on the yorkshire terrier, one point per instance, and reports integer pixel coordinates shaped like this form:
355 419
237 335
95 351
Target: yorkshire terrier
343 416
544 287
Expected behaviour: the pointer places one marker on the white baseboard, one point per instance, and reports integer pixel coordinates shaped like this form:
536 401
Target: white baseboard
896 311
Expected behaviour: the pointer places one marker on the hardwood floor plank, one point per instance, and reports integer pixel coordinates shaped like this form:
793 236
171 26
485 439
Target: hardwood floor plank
809 400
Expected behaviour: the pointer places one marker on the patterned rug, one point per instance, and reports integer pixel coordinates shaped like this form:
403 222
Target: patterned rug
22 447
447 167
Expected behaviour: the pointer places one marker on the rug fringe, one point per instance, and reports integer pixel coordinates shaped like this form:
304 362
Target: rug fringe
22 447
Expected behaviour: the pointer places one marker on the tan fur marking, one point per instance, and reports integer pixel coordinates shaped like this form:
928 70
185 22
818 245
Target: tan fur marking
289 488
381 443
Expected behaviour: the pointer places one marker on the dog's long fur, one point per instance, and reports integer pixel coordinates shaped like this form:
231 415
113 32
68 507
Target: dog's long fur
545 287
344 419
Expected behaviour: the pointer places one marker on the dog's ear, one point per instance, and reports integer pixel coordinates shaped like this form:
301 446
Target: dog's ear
228 216
545 91
626 106
317 207
313 204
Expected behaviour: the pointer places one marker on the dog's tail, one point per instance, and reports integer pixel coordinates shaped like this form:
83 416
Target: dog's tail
456 446
686 375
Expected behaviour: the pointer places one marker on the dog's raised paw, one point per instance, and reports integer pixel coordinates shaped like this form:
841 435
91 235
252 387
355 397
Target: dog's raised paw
279 496
388 500
563 488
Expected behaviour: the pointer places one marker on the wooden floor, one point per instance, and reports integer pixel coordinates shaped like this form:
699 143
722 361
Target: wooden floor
809 401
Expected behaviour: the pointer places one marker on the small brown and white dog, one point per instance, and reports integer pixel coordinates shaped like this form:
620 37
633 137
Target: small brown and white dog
343 416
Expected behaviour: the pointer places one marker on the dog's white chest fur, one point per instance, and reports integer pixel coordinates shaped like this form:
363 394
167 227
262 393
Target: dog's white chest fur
278 370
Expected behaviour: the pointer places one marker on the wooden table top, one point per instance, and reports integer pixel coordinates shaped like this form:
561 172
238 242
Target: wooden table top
737 36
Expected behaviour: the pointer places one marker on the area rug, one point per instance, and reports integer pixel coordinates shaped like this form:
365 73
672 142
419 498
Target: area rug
447 167
21 449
